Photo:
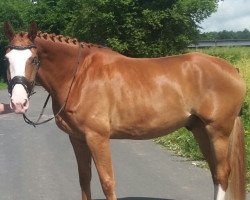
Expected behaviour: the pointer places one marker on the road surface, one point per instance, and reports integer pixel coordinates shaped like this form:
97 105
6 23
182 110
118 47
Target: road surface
38 163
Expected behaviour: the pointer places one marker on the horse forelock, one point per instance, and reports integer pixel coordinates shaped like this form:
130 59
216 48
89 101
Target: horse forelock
23 34
21 39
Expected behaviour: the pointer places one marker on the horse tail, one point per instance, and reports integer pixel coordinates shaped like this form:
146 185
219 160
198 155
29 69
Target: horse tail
237 179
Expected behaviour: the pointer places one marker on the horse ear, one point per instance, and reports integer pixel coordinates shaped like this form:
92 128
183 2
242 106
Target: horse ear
32 31
8 30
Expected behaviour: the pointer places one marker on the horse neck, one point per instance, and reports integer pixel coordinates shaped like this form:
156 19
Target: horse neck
58 64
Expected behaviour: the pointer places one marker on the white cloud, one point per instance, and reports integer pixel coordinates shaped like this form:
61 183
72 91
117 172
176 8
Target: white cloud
231 15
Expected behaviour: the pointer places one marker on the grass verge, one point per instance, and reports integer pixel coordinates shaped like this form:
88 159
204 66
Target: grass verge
2 85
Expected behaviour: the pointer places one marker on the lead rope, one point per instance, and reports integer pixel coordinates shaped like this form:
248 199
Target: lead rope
30 122
37 122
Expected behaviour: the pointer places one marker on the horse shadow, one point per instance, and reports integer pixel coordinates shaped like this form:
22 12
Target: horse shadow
139 198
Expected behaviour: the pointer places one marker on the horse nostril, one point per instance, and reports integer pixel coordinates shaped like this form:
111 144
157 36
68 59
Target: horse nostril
11 104
25 102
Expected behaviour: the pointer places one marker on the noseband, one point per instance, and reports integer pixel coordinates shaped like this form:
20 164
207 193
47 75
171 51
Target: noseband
10 46
28 86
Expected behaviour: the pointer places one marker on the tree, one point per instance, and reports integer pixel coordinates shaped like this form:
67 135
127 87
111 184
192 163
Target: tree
134 27
55 16
141 27
223 35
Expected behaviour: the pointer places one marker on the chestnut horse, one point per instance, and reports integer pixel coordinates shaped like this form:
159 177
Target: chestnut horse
98 94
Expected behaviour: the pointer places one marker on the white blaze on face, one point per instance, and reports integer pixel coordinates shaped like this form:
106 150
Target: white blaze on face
17 60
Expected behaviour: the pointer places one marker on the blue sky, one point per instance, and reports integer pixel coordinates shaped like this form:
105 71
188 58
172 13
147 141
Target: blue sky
232 15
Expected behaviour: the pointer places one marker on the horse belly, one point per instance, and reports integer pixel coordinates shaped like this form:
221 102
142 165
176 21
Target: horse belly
149 117
148 129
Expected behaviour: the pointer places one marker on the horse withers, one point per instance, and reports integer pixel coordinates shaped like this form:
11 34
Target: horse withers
98 94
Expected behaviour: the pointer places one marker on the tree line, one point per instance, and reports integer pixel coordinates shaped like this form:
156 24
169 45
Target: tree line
138 28
226 35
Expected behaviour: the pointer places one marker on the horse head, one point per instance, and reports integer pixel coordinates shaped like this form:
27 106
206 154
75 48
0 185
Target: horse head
23 64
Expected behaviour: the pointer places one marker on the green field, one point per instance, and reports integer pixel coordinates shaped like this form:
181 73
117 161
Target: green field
182 142
2 85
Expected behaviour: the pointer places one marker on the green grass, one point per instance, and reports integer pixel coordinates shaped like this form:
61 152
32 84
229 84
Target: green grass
231 54
182 141
2 85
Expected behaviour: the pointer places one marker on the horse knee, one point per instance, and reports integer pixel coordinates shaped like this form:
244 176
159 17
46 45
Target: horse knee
108 186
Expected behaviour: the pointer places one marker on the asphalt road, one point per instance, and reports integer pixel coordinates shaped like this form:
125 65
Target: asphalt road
38 163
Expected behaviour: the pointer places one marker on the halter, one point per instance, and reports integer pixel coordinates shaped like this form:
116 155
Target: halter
28 86
10 46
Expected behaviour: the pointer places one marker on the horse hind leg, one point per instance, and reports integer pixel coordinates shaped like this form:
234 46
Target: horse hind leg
198 128
226 138
220 146
217 142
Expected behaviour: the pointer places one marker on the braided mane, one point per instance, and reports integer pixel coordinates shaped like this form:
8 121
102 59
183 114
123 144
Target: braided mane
65 39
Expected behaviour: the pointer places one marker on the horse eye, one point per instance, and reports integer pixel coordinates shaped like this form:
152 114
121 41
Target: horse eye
35 61
6 61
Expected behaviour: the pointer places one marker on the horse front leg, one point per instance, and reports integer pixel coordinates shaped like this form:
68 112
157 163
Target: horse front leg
100 150
83 158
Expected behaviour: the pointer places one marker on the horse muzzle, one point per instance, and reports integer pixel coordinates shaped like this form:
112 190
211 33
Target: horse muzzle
20 90
20 80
